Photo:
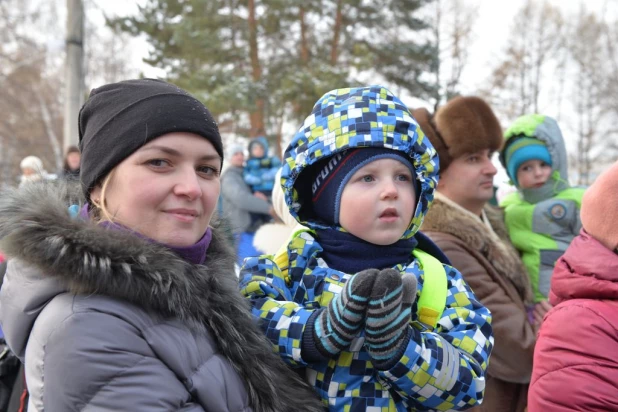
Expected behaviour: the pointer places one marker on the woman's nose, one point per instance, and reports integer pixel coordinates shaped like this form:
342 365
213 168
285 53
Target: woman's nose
188 185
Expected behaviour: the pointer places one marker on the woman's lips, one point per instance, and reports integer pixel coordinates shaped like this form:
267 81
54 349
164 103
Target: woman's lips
184 215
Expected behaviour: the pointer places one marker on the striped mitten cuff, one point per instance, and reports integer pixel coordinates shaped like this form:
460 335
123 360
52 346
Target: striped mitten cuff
388 316
337 325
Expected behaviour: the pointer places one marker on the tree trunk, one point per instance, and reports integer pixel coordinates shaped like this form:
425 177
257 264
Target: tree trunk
436 33
74 96
257 115
51 134
304 48
279 144
334 52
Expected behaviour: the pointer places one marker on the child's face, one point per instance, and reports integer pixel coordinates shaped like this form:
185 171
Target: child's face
257 150
378 202
533 174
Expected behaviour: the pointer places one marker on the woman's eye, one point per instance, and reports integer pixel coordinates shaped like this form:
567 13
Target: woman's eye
158 163
473 159
209 171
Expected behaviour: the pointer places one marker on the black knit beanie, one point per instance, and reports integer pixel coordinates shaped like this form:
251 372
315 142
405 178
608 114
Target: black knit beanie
119 118
333 173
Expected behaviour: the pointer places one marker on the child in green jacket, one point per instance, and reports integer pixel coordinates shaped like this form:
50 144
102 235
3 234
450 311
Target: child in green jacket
543 216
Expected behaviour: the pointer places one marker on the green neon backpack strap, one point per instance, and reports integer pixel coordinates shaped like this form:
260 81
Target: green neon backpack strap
432 302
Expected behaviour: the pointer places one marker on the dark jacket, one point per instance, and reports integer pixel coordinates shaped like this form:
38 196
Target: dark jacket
139 329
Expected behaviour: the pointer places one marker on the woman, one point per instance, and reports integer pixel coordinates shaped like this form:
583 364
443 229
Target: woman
152 319
70 169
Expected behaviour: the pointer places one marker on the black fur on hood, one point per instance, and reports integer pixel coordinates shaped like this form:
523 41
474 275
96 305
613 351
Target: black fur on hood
35 226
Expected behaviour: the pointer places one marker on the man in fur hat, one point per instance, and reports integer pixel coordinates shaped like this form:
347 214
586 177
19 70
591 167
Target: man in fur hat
472 234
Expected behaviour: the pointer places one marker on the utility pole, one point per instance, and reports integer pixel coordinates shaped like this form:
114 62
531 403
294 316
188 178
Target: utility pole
74 71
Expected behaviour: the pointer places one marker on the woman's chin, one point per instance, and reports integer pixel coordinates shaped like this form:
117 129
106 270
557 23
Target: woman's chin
179 239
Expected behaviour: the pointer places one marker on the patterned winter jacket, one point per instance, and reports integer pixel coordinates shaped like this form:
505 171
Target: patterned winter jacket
259 173
441 369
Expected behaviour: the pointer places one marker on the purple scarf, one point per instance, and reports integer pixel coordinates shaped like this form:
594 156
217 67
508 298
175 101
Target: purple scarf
195 254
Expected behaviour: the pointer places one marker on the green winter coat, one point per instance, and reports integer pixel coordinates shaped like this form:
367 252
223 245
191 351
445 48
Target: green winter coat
543 221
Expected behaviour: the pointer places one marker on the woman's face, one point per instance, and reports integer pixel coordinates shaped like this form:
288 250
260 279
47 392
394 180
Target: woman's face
167 190
73 159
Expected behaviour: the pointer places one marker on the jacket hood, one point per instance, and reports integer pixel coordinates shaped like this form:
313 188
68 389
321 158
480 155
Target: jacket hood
545 129
261 141
36 228
355 118
577 276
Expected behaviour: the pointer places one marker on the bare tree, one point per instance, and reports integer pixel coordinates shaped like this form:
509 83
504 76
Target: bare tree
591 50
31 80
536 38
454 21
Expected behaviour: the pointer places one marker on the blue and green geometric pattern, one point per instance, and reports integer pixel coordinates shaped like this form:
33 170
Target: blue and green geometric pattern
440 370
359 117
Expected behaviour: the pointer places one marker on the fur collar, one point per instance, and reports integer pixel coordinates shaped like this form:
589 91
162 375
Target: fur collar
35 227
445 216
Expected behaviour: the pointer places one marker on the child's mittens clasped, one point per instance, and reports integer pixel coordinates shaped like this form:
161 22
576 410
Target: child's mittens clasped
342 320
388 315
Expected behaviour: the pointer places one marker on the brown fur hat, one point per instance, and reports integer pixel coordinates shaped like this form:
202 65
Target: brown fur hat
463 125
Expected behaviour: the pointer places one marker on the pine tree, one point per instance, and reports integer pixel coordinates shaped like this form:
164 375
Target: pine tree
257 62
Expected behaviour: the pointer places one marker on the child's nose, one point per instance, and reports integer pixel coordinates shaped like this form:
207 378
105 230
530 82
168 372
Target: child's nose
389 190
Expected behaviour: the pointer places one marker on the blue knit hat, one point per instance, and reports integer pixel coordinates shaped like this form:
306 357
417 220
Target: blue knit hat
334 172
521 150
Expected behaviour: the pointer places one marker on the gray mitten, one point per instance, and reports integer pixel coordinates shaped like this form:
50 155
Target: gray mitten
338 325
388 316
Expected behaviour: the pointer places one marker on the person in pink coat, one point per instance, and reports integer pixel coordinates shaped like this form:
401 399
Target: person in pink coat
575 359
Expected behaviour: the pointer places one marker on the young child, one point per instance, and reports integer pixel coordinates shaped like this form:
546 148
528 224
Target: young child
260 169
543 216
350 299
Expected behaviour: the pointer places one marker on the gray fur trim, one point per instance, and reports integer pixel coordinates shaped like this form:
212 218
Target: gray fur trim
35 226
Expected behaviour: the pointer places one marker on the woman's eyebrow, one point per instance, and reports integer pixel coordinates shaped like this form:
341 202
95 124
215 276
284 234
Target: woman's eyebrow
174 152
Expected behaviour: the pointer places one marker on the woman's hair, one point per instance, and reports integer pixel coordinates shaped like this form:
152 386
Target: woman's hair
71 149
100 212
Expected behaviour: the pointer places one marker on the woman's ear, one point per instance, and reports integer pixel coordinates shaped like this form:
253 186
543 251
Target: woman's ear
95 194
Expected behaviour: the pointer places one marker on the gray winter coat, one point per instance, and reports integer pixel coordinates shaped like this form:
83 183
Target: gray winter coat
238 201
160 333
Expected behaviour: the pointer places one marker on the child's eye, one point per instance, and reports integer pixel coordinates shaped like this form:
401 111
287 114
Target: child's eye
473 159
404 177
367 178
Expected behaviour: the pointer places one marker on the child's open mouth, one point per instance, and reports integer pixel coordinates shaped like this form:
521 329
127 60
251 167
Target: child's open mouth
389 214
